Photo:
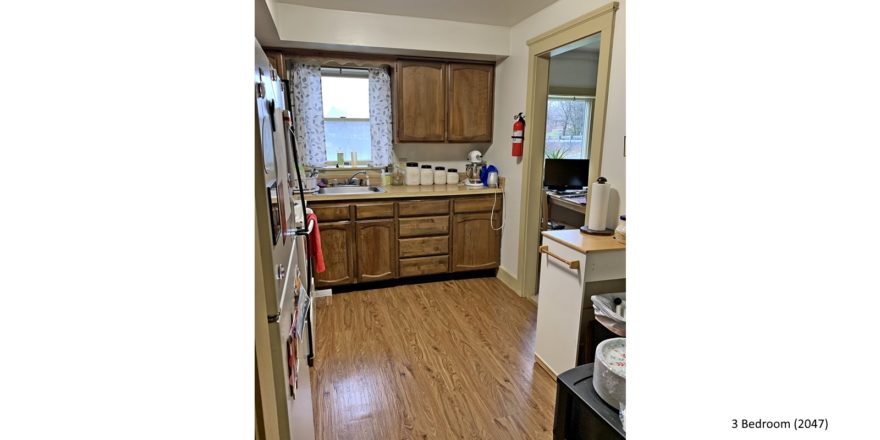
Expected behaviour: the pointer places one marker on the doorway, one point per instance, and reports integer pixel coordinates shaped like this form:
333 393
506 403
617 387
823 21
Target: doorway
571 103
587 36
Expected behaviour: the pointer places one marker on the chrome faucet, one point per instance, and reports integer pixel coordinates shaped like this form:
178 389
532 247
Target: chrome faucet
353 181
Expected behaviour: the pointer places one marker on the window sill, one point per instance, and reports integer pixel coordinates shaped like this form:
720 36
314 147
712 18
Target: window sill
349 167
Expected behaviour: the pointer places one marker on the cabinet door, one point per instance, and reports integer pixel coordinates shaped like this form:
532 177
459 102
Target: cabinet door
337 245
376 250
276 59
470 102
560 301
421 101
475 245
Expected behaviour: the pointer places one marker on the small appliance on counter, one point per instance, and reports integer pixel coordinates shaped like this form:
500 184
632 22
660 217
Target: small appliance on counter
489 176
478 173
473 168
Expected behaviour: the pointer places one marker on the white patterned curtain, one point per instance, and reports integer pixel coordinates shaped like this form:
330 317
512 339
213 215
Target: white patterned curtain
309 114
380 117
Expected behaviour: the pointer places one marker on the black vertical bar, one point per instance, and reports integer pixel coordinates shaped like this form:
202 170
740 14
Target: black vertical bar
311 356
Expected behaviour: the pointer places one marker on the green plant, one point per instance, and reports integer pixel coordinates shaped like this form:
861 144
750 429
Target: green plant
556 153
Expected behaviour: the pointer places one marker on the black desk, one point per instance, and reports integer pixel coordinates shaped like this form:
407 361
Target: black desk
580 413
562 211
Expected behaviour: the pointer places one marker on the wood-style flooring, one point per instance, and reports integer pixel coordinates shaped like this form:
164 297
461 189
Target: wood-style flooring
441 360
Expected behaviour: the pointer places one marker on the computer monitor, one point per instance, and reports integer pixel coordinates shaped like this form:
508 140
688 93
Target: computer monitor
561 174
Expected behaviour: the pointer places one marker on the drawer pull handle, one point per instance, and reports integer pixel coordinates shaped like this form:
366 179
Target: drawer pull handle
574 264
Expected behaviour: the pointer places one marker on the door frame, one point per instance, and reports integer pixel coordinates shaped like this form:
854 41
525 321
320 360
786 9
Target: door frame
540 49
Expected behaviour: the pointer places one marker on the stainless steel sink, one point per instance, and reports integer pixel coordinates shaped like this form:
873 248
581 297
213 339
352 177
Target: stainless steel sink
350 189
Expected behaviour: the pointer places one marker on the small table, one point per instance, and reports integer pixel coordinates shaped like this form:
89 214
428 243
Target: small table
580 412
574 266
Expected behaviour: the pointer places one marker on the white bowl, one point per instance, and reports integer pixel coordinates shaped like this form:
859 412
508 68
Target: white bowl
609 371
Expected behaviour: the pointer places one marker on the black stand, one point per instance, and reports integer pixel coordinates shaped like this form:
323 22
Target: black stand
587 230
580 412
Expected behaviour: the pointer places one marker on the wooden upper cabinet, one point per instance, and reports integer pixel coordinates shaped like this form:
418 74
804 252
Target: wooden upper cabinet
469 102
276 59
421 101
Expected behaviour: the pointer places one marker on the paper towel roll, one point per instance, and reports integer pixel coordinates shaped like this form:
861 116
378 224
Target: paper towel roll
599 194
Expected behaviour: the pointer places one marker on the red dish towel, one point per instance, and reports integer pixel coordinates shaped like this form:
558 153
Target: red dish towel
315 243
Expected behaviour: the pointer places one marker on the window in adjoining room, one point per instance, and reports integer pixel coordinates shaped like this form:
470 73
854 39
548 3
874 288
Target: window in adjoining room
568 127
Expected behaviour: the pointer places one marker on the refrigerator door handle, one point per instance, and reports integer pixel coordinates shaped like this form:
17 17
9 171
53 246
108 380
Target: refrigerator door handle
274 318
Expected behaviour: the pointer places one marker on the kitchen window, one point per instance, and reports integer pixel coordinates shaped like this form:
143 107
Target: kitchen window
346 101
568 127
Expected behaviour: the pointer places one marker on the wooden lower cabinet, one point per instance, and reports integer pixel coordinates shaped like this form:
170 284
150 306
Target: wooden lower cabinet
376 250
410 267
424 226
405 238
424 246
338 247
423 207
475 244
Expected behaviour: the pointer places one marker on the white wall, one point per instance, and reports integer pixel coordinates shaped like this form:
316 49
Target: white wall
447 155
511 78
329 28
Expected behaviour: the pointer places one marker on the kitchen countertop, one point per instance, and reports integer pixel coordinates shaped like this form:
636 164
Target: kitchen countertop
585 243
398 192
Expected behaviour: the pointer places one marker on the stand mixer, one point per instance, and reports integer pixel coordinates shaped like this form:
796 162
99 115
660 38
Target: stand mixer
473 167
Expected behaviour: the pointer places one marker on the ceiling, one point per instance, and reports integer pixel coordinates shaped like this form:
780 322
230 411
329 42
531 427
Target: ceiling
493 12
581 53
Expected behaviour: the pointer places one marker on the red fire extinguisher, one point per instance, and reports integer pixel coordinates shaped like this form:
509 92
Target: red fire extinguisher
519 127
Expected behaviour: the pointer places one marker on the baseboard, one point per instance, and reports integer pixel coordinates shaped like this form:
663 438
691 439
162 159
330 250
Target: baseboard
543 365
323 292
420 279
509 280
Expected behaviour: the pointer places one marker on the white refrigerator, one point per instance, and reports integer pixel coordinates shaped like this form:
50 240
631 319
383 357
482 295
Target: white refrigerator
283 316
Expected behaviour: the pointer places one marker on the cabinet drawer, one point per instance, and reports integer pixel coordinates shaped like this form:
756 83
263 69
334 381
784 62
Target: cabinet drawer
374 210
330 213
422 207
424 266
423 246
478 204
423 226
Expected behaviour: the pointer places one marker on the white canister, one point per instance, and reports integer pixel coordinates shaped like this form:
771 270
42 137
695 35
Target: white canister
412 173
620 231
452 176
427 177
439 175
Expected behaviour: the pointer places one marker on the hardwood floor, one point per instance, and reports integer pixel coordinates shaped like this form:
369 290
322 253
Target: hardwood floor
448 359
